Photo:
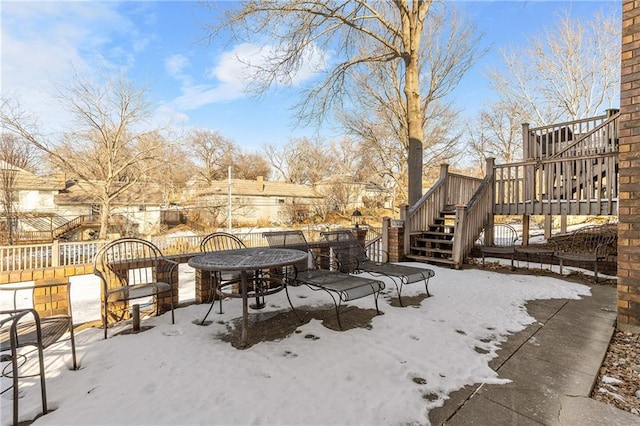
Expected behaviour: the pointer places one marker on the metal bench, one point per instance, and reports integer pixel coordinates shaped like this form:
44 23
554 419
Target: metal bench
589 244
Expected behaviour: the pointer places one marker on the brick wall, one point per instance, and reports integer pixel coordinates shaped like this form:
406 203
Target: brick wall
629 200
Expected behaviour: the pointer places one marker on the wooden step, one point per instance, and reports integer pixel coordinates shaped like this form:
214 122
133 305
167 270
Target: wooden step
432 250
436 241
441 228
429 259
434 234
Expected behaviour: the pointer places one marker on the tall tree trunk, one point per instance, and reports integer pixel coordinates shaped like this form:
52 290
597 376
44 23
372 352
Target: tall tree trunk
104 219
415 131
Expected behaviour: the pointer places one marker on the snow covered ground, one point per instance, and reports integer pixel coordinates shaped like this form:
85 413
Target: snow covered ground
407 363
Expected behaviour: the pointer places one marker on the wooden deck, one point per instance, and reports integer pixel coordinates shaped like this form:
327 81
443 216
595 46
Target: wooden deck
569 169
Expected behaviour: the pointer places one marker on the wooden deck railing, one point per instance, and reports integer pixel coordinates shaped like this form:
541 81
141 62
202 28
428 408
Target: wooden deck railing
449 190
585 185
589 135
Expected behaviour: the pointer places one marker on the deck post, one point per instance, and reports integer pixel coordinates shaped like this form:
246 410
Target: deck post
457 255
444 172
488 230
526 222
548 226
526 149
55 252
563 223
408 227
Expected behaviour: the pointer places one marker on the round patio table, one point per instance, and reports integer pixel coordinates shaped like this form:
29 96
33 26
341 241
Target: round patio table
243 260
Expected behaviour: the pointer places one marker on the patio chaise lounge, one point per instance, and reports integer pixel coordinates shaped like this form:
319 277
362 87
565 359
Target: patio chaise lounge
340 286
353 258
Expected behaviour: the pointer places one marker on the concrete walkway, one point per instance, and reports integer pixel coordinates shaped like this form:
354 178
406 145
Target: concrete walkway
553 365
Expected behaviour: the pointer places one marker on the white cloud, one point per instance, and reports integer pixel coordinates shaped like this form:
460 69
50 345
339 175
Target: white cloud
235 72
175 64
45 43
245 59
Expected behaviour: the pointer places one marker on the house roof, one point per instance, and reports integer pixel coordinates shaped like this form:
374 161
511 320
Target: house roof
256 188
348 180
82 192
25 180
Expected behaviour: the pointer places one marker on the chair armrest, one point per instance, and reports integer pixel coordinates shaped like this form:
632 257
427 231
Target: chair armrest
166 265
601 250
12 333
329 260
347 262
16 314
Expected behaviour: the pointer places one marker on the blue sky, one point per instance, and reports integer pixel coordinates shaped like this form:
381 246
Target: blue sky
194 84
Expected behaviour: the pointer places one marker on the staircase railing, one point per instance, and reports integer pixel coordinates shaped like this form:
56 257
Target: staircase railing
601 139
472 218
422 214
73 224
450 190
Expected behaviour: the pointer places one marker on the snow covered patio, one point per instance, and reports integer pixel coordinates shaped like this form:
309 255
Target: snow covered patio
390 370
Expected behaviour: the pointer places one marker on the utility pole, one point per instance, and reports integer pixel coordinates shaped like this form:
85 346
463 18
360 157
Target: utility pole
229 207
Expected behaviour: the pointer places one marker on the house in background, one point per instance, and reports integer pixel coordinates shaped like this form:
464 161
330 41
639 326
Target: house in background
345 194
253 201
135 212
33 207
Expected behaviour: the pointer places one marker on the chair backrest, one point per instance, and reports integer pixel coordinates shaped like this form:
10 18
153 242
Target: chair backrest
503 236
593 239
289 239
343 242
219 241
128 261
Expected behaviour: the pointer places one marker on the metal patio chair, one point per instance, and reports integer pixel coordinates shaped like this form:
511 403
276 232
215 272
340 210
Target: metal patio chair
130 269
219 241
22 328
353 258
503 241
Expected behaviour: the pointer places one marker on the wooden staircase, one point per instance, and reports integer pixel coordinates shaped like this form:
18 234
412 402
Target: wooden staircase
435 245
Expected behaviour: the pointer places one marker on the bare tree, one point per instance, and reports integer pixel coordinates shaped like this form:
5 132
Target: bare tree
302 160
496 134
16 155
171 168
213 154
570 71
250 166
358 33
104 148
377 115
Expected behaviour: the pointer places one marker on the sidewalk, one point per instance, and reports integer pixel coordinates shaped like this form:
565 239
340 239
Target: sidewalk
553 365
